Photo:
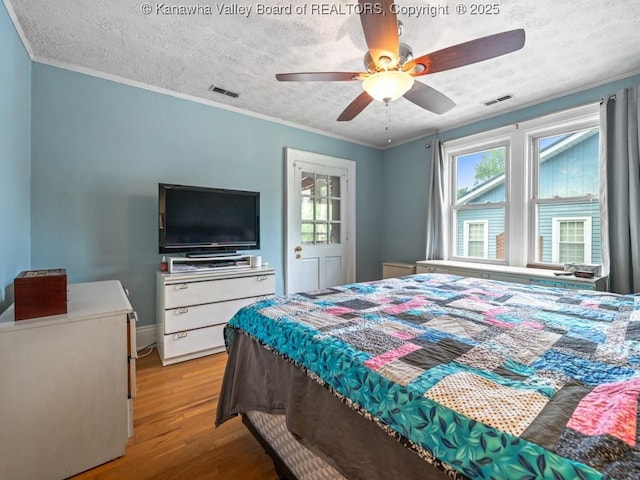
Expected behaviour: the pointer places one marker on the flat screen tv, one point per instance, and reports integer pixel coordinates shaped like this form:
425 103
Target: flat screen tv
200 220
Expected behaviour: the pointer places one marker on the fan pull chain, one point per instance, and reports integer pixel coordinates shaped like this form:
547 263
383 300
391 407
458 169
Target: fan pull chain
387 122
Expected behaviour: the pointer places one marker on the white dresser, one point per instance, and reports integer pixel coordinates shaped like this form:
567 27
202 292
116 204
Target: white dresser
193 308
66 385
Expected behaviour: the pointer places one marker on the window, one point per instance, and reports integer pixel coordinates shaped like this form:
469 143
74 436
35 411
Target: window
479 205
567 185
527 194
571 239
475 238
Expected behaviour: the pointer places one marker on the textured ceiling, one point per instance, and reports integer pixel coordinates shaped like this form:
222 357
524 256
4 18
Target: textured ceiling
569 46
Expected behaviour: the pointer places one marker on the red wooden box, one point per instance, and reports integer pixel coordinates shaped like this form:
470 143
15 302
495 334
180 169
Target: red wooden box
39 293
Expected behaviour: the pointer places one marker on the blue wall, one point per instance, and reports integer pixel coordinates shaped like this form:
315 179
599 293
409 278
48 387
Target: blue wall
100 148
82 156
405 202
15 106
406 168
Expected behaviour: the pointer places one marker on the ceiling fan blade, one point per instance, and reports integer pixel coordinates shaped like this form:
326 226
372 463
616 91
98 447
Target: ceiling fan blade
320 76
355 107
467 53
429 98
380 27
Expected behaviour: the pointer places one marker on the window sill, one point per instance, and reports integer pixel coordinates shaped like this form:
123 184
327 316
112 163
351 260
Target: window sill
505 273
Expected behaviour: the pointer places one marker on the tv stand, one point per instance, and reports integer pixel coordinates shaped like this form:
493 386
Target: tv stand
208 263
193 308
212 255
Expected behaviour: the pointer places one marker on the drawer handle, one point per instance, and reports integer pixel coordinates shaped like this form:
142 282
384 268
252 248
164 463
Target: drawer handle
182 286
262 278
179 335
182 310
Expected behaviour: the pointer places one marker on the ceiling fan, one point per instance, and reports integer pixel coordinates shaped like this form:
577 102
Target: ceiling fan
391 68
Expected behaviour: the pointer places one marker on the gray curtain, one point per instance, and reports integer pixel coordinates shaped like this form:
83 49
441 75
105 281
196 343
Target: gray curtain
435 207
621 202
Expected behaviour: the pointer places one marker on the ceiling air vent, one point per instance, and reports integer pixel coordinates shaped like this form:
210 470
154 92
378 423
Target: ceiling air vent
498 100
222 91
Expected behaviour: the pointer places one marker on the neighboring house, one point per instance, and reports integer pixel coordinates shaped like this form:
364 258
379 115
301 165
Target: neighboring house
568 231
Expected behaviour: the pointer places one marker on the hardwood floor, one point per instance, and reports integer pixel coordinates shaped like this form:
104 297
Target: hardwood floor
174 433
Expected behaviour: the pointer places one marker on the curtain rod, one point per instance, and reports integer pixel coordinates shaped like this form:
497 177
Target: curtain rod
612 97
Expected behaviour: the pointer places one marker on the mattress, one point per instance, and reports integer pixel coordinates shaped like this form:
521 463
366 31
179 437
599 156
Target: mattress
257 379
480 379
299 460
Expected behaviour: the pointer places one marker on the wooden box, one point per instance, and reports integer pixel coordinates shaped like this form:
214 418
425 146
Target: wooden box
39 293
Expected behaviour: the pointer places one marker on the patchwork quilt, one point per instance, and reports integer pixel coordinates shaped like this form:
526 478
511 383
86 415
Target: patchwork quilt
483 379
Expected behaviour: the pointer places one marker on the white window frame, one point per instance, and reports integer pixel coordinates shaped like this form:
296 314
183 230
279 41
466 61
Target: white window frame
520 180
555 236
584 118
453 149
485 239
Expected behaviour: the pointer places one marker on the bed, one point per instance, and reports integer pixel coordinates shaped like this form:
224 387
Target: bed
439 376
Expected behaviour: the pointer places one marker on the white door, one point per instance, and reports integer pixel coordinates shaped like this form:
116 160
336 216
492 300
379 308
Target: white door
320 245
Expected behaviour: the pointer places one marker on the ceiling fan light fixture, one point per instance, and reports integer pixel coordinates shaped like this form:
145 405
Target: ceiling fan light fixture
388 85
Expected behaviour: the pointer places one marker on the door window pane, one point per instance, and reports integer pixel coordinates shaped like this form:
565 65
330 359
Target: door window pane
307 210
307 183
334 210
321 233
334 186
320 209
306 236
334 233
322 188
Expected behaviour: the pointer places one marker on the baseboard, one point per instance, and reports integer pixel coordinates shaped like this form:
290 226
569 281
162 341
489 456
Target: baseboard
145 336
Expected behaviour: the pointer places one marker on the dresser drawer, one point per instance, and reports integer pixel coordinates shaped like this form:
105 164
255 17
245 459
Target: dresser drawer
430 269
184 343
561 284
196 293
198 316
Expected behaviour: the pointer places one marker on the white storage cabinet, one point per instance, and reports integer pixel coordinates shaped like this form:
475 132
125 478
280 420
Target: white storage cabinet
397 269
504 273
66 385
193 308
